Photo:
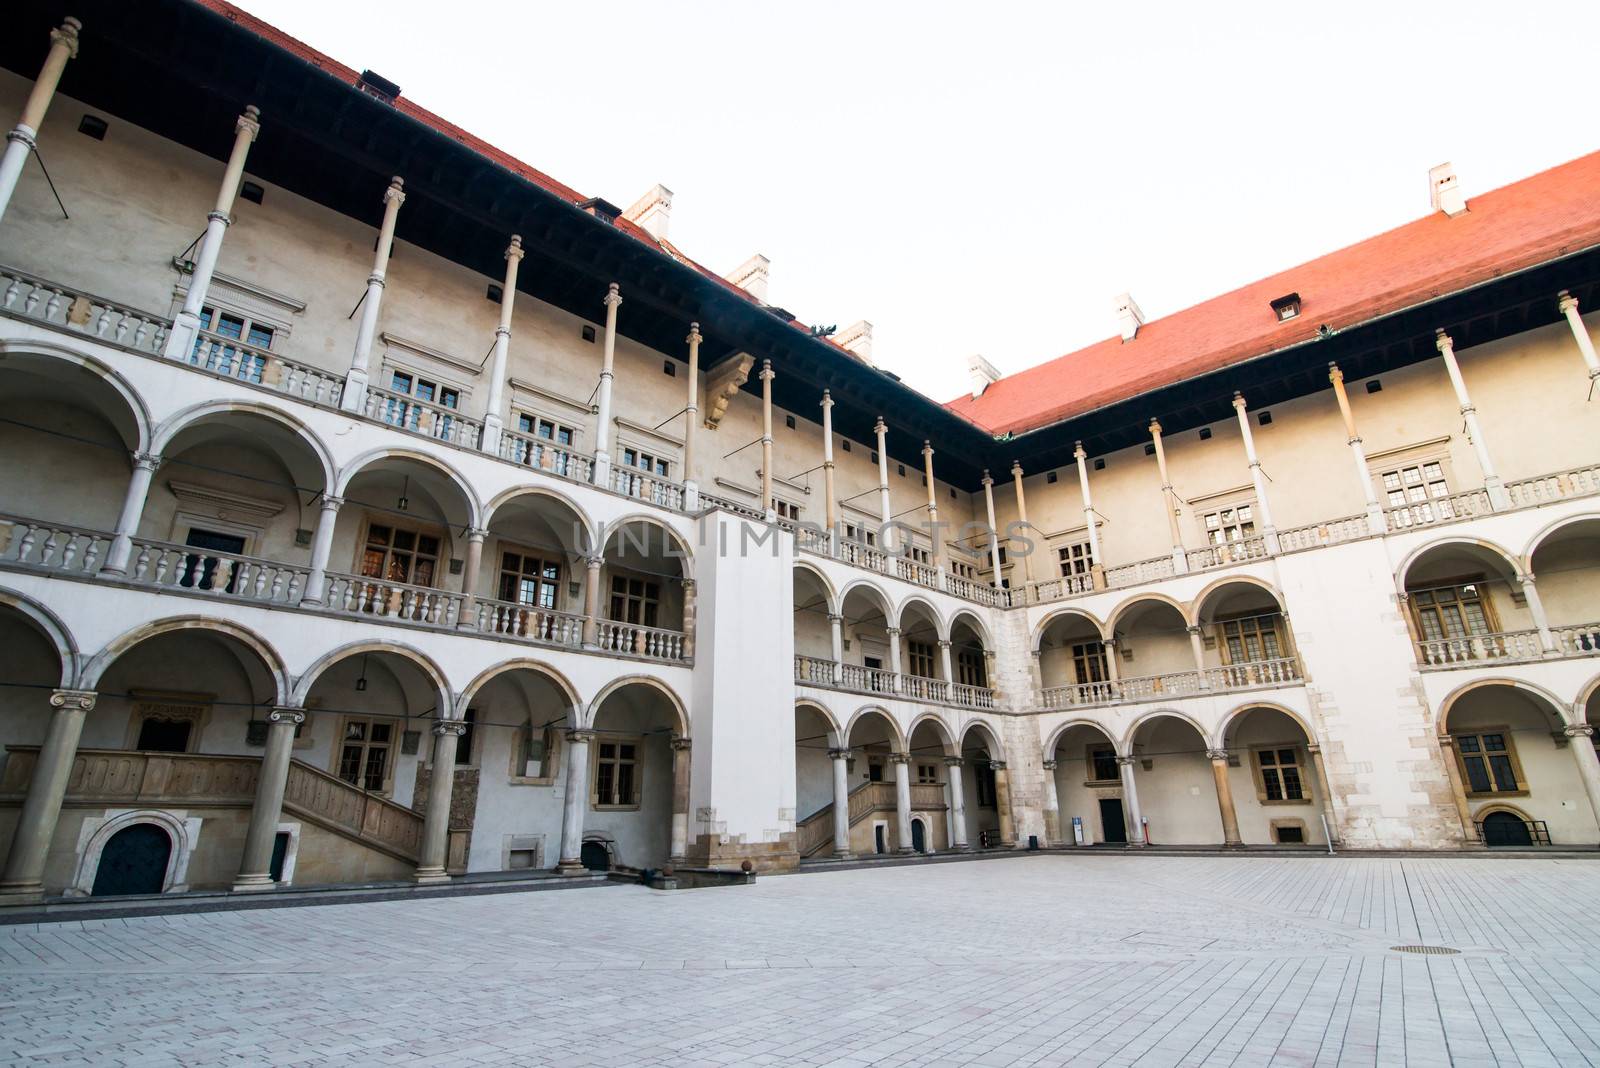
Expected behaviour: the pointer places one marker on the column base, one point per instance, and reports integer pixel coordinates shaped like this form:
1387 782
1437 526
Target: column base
842 854
905 851
430 876
22 894
247 883
1232 845
571 867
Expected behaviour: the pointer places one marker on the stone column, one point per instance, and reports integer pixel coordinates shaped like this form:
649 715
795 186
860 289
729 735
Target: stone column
830 502
1002 802
1169 502
1498 498
321 547
1113 671
894 658
144 469
1269 532
934 533
958 804
1097 564
766 377
1197 646
20 141
691 613
1582 746
432 857
1321 772
1547 641
994 533
1375 521
886 537
469 579
841 803
591 602
575 803
255 869
1130 794
608 359
944 661
36 823
680 798
902 801
1230 819
493 420
1022 517
1569 308
691 421
836 633
180 343
1458 791
354 397
1052 807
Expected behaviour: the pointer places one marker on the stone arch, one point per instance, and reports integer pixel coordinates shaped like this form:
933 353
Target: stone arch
1062 613
191 416
647 680
997 750
489 674
684 551
1555 707
874 591
177 830
1551 529
1053 740
838 736
443 708
1197 604
55 631
1235 713
1581 705
947 736
365 461
1147 597
270 658
973 620
1404 568
940 626
515 493
896 734
1125 744
828 589
137 410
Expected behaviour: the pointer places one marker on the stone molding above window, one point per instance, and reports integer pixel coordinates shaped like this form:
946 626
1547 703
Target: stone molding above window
402 354
257 303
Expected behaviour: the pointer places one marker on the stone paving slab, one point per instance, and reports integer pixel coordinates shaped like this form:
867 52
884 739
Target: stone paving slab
1098 960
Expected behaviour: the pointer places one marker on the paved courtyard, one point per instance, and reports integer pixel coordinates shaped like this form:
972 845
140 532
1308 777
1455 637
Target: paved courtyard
1044 960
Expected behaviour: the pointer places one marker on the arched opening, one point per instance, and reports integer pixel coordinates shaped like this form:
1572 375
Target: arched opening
813 627
919 834
1566 567
30 668
631 774
1273 779
867 657
1177 794
969 657
400 534
133 861
1505 828
1508 743
988 810
514 756
1245 637
1088 787
1074 663
930 746
77 429
1155 657
816 738
873 740
921 657
530 584
1467 604
642 592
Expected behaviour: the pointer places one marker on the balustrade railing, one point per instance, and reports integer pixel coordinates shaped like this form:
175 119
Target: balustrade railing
737 509
1581 639
1250 674
365 815
1139 572
1228 552
910 570
1542 489
1078 694
28 297
1478 648
980 592
529 623
52 546
546 456
356 595
647 487
228 357
1331 532
813 670
919 688
1282 671
865 679
652 642
406 412
166 565
1059 588
1439 510
972 696
306 383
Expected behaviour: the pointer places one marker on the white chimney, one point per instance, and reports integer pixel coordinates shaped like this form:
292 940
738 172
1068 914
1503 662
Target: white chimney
751 276
652 211
857 337
1444 190
1129 317
982 374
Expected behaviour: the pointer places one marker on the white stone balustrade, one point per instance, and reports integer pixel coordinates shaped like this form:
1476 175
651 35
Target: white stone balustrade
630 638
421 417
865 679
228 357
527 623
355 595
1465 505
1330 532
52 546
1226 553
969 696
545 455
644 486
33 298
813 670
1139 572
172 566
1580 639
1281 671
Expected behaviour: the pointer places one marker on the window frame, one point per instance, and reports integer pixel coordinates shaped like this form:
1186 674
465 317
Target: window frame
1510 752
1090 751
393 747
558 583
1279 635
1481 598
921 654
521 738
1091 653
420 530
647 600
1074 559
1261 768
636 762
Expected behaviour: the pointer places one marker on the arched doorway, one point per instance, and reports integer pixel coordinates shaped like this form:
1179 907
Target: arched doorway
1074 669
867 656
983 777
875 741
1088 787
643 591
531 581
932 797
133 861
1273 779
1176 787
632 774
919 835
1506 830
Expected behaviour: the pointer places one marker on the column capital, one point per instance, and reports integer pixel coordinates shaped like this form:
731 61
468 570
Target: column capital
1238 401
613 297
1126 761
840 754
1037 654
835 617
987 481
879 428
1193 629
514 250
1049 765
149 461
767 374
477 534
1443 342
1110 643
1077 451
1016 469
1313 747
1217 754
687 585
67 34
997 765
693 337
580 734
73 700
1578 730
593 562
927 447
1335 375
1447 741
296 716
396 193
249 122
1566 302
893 632
450 726
827 399
945 643
900 758
679 744
953 762
330 503
1154 427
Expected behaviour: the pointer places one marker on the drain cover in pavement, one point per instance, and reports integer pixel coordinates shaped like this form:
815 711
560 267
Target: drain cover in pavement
1438 951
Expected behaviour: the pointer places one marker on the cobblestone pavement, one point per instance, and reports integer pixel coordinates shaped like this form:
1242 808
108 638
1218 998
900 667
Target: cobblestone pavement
1045 960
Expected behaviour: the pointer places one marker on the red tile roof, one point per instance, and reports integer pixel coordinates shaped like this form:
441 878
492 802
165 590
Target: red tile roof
1528 222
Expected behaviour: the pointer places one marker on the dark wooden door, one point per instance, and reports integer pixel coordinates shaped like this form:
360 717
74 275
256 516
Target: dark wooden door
134 861
919 838
1505 829
595 857
1113 826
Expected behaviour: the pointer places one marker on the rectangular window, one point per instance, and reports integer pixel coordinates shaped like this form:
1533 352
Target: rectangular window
616 774
1228 525
1280 774
1488 762
635 600
971 669
964 570
1417 484
645 462
213 351
1103 764
1252 639
1451 612
549 430
364 753
412 395
394 554
919 554
529 580
919 659
858 533
1089 662
927 773
786 510
1074 559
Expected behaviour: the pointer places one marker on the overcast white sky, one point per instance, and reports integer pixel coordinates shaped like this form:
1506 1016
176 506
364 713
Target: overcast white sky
987 177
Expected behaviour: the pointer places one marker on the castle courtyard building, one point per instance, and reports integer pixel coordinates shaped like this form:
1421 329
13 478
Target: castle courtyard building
377 507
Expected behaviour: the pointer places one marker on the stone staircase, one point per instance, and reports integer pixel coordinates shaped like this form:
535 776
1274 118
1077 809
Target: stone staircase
814 834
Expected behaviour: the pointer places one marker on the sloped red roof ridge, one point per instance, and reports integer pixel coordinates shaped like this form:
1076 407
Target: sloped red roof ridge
1528 222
